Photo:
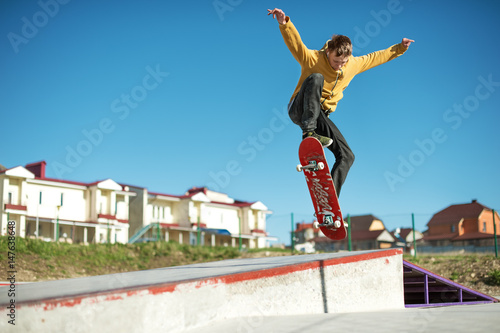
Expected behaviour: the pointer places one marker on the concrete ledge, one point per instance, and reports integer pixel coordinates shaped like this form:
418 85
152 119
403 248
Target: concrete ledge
177 298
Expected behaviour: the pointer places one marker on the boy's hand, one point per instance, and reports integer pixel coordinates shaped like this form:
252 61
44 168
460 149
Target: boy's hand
278 14
406 42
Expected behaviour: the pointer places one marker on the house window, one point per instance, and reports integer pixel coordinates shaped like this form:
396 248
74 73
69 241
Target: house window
453 228
40 199
9 200
484 226
62 196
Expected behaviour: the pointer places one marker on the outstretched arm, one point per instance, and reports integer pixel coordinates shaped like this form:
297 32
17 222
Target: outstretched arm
278 14
380 57
291 37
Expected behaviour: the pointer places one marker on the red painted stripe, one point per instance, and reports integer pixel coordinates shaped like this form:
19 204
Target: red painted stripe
277 271
224 279
52 304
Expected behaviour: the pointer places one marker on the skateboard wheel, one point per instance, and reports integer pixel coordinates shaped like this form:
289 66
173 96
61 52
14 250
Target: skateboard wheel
321 165
299 167
337 224
315 224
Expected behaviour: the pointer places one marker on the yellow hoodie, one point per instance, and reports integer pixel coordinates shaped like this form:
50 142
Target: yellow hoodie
316 61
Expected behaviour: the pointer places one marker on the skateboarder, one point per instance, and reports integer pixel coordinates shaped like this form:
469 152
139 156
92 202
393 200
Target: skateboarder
324 76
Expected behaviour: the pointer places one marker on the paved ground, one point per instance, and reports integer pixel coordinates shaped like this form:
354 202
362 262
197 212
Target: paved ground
461 318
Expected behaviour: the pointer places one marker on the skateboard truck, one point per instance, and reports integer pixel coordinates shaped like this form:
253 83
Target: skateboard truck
328 222
313 165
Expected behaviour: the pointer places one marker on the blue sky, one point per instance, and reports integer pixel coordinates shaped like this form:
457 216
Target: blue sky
174 94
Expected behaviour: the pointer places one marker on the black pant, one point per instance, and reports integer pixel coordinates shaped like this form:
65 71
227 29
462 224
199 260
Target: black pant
305 111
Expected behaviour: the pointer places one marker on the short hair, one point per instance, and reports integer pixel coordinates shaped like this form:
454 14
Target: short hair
340 44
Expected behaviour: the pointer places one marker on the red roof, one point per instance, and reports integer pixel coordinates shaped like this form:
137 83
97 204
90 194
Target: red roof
235 204
454 213
164 194
303 226
63 181
38 169
194 190
404 232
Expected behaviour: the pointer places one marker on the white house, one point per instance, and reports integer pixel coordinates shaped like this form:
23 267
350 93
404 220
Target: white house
106 211
200 215
58 209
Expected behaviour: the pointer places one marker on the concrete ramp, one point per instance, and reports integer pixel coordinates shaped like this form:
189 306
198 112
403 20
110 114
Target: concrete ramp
178 298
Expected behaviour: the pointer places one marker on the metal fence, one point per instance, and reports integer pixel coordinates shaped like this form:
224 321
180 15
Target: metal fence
460 249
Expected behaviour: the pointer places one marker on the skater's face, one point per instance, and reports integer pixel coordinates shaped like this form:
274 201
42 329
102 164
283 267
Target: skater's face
337 62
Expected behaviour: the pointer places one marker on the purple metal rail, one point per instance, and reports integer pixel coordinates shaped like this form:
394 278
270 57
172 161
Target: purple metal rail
423 288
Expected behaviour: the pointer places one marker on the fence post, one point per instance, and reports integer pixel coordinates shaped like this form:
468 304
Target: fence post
198 232
293 236
57 224
414 240
240 246
495 234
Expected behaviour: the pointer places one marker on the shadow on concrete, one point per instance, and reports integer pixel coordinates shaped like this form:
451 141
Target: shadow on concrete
323 285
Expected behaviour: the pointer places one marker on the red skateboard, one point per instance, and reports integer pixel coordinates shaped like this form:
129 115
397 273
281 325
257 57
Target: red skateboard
323 194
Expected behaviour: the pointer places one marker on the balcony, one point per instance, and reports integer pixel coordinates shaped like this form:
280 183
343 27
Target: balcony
106 216
258 231
15 207
112 217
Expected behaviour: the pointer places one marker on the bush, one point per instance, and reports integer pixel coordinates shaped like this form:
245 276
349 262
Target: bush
493 278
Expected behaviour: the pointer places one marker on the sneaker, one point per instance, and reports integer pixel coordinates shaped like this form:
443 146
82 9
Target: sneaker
325 141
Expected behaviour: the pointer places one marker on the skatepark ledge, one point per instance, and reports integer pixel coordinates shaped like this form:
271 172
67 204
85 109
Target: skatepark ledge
191 296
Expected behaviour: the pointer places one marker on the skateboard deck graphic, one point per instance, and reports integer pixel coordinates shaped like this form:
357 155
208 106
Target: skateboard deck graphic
319 181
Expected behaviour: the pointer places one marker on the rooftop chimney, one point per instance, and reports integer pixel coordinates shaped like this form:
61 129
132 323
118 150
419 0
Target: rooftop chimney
38 168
